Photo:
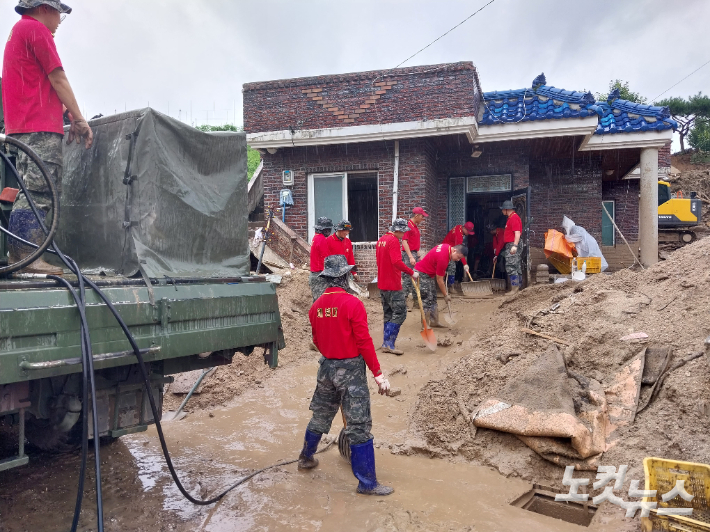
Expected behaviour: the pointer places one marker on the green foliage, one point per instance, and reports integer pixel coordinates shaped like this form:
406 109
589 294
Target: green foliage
625 93
690 113
253 156
699 137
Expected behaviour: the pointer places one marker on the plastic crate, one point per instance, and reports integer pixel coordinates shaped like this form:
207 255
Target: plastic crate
561 263
594 264
661 475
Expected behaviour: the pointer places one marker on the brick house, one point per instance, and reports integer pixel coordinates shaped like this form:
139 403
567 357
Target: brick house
370 146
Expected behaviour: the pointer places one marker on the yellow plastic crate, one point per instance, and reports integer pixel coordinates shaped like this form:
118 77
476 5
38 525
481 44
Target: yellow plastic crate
594 264
661 475
561 263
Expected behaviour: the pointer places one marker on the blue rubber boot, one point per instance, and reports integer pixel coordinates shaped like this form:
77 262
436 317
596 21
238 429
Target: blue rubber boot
362 458
391 332
24 223
310 445
514 283
387 335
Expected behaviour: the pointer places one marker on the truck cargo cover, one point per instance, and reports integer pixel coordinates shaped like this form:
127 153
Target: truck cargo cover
156 194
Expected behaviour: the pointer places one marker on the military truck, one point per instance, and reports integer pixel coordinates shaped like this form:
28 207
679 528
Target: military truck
155 214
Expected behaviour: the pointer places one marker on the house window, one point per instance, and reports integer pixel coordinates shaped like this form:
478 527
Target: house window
349 195
608 233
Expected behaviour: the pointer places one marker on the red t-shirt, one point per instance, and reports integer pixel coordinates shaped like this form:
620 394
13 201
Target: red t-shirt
454 238
335 246
319 251
339 324
30 103
498 241
413 237
436 261
511 226
389 263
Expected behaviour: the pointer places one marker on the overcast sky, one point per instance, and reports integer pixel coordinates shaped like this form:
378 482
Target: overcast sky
180 55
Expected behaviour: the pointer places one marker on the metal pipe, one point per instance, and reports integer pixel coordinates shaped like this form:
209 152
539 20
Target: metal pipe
21 451
395 182
192 390
75 361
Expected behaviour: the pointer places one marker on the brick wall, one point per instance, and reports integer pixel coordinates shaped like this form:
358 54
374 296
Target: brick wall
400 95
664 156
625 194
289 245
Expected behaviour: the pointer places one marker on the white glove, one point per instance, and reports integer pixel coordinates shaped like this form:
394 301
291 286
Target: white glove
415 275
383 384
465 268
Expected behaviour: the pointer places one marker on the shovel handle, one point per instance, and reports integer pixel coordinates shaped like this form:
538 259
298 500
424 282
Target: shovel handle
469 276
421 305
495 260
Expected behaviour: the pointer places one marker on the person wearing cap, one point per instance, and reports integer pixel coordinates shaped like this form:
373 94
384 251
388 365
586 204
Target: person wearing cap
455 237
319 251
411 243
339 324
511 239
339 244
432 269
390 268
36 95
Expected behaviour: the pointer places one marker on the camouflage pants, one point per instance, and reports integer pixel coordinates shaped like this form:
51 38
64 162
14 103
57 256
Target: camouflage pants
317 285
342 382
394 305
48 147
512 262
427 287
407 285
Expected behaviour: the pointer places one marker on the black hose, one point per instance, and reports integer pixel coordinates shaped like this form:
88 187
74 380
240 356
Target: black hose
55 203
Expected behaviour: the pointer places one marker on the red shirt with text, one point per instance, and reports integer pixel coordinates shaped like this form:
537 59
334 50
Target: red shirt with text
511 226
336 246
389 263
455 238
413 237
339 324
436 261
319 251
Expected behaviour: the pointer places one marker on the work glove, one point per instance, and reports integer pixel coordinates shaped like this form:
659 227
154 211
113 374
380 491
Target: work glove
415 275
465 268
383 384
447 299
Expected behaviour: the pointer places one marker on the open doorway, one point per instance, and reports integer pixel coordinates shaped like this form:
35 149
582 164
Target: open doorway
483 209
362 207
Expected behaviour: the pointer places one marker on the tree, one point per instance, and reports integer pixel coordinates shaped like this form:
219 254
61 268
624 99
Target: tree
699 137
253 156
624 92
687 112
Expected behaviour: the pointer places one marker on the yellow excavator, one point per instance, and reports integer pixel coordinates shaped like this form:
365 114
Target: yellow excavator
677 215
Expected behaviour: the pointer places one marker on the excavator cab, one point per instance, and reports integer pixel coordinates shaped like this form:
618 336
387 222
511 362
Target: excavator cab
677 214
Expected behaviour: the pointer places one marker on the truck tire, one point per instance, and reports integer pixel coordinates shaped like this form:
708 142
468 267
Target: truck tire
45 437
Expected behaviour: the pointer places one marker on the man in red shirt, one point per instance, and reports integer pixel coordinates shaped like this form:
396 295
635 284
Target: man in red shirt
455 237
390 268
35 91
511 239
339 324
433 266
319 251
411 243
339 244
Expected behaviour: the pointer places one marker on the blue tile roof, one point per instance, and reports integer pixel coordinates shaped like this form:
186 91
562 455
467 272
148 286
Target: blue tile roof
543 102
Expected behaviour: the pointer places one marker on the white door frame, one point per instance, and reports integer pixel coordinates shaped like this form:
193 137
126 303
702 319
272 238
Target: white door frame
311 200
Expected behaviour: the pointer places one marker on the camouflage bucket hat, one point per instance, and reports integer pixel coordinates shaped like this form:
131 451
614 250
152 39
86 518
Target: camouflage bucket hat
323 223
24 5
344 225
335 266
400 224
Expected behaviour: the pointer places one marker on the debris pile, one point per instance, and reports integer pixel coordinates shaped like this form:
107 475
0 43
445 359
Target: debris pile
669 302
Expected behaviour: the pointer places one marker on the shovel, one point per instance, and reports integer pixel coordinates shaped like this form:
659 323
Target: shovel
428 333
476 288
449 318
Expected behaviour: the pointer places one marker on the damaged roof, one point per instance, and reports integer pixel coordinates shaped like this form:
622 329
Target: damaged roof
543 102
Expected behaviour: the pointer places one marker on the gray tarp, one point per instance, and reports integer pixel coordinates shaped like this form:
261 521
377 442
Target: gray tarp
184 212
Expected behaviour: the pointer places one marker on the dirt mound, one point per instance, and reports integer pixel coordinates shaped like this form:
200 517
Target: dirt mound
670 302
694 177
244 372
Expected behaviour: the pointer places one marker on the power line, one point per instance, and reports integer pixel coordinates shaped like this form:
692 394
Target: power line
445 34
686 77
